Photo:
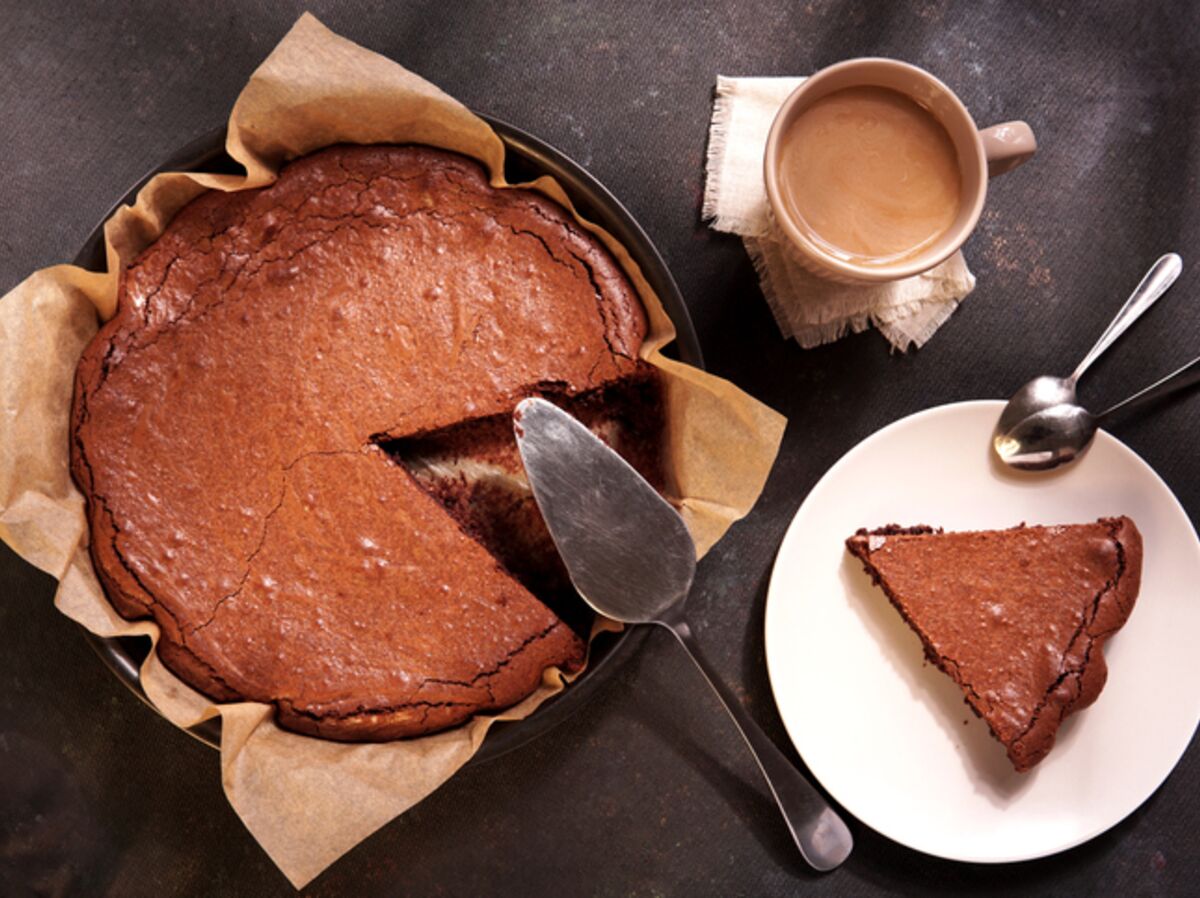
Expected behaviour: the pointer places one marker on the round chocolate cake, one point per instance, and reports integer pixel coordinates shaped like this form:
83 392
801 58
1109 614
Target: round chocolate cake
239 424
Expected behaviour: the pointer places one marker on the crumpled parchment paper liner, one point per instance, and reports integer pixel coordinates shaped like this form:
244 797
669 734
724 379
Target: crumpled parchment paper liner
307 801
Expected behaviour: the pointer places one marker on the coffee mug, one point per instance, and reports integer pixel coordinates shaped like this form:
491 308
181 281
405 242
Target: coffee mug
979 154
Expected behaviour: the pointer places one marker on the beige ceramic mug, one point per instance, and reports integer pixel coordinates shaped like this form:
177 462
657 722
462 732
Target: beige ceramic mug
980 155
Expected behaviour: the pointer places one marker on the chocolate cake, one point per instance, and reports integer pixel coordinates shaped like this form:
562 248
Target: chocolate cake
1018 618
230 425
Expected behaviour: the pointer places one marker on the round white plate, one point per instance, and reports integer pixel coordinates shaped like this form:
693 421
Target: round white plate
889 735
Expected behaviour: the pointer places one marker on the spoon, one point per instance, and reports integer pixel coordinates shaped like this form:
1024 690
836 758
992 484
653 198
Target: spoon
1056 435
632 559
1043 425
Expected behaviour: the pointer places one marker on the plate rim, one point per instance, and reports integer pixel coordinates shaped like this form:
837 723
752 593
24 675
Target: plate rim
774 673
597 204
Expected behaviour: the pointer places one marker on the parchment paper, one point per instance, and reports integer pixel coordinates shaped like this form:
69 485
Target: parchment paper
307 801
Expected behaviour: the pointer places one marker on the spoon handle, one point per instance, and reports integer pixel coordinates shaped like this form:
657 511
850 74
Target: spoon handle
1162 274
821 835
1179 379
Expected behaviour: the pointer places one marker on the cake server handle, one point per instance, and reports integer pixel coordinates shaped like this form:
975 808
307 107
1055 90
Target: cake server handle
821 835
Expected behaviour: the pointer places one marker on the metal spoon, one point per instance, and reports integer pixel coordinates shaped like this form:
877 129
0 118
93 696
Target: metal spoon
1041 426
632 559
1056 435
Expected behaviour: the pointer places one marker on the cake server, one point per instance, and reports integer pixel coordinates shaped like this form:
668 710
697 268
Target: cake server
632 559
1043 425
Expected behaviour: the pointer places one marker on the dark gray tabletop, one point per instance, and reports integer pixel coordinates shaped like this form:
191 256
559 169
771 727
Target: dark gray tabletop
646 791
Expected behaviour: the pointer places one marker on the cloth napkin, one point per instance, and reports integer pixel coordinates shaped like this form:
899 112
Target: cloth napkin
806 307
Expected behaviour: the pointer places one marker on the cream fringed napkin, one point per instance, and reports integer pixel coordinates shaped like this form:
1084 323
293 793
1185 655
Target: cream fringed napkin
806 307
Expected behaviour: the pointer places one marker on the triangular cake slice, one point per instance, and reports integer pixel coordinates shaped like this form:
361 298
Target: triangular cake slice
1018 618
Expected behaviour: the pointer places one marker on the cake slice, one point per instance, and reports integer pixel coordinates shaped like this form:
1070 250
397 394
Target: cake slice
1018 618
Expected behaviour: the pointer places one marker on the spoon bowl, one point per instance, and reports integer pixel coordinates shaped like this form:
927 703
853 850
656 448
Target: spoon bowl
1046 437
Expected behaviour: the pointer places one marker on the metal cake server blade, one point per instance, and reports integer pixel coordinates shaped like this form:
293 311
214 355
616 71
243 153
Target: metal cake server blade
632 559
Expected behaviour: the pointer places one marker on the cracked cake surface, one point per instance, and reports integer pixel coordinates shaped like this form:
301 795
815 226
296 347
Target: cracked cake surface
1017 618
228 419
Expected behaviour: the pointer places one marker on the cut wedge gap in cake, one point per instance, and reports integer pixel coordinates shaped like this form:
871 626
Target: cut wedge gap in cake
474 470
1017 618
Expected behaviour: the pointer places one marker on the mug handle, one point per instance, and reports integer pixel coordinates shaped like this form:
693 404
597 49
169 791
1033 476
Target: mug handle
1006 146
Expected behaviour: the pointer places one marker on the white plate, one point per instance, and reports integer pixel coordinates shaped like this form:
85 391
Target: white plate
888 735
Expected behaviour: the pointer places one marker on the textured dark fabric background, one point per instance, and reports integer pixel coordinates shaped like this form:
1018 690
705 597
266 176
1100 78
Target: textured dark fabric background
647 791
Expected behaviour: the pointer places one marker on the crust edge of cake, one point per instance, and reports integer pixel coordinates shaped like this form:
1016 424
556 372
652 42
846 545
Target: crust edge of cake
558 649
